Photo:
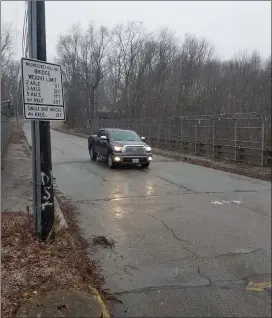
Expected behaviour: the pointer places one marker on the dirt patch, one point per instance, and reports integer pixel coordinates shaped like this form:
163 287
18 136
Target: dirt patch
103 241
17 136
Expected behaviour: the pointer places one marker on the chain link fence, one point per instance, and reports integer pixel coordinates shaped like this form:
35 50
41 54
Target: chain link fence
239 137
6 114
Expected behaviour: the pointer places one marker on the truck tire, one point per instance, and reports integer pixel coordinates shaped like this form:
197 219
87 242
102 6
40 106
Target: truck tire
110 162
93 155
145 165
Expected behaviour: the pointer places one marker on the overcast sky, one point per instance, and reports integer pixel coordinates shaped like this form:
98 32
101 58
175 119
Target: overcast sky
229 25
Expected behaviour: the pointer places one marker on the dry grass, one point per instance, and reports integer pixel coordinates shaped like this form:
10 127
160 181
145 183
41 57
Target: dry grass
30 267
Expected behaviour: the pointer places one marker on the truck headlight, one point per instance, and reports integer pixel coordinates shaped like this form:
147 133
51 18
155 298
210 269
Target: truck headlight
147 148
117 148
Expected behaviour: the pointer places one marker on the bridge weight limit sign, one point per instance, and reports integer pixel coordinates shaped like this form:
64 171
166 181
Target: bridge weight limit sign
42 90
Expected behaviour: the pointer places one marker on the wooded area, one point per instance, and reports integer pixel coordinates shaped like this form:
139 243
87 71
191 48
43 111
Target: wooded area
133 73
10 68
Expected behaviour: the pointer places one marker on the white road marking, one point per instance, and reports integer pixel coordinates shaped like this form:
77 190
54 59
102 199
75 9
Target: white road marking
226 202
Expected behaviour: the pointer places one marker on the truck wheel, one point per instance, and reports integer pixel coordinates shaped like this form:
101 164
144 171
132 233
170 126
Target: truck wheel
92 154
111 164
145 165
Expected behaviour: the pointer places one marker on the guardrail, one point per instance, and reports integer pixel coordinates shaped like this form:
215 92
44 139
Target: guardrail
6 114
240 137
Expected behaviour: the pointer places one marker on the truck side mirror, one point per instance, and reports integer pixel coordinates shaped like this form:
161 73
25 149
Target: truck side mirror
143 138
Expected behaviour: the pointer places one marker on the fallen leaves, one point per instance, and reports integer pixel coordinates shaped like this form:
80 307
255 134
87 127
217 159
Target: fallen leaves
30 267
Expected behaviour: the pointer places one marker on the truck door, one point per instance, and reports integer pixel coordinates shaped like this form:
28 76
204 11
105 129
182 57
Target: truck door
105 144
98 142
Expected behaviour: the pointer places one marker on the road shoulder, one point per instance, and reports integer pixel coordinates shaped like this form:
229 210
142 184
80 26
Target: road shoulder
40 279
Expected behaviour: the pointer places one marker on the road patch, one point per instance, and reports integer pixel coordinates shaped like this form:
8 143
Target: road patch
259 286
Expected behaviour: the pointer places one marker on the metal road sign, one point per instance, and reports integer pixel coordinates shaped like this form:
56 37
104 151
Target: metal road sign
42 90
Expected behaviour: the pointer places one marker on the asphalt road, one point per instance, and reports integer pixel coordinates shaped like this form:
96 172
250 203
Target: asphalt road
189 241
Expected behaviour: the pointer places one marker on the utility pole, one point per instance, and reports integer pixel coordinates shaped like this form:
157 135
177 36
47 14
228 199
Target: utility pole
32 53
41 138
47 195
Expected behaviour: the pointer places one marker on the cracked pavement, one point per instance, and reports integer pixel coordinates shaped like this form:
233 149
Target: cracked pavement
178 252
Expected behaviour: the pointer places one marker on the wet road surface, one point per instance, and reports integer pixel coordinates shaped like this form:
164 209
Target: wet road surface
190 241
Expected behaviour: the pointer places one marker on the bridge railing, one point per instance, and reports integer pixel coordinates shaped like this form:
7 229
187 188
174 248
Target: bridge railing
240 137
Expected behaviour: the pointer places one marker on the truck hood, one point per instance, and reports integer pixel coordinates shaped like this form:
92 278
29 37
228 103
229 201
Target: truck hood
128 143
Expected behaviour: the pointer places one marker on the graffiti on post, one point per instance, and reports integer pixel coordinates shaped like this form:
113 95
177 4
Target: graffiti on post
46 180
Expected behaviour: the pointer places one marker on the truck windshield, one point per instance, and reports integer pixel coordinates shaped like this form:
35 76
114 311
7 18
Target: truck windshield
124 135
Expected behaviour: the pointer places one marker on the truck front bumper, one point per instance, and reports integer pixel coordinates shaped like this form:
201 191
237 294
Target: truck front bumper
131 160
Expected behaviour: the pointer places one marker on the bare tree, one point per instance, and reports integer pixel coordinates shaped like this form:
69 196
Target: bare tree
68 56
134 74
6 45
93 65
127 42
193 59
10 70
10 80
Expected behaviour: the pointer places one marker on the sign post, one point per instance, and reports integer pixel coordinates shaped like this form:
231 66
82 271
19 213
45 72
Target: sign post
43 102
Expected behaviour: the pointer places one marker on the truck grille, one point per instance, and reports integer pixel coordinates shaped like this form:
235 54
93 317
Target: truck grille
134 150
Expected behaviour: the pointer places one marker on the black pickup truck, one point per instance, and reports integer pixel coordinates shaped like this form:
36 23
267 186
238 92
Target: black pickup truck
119 147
